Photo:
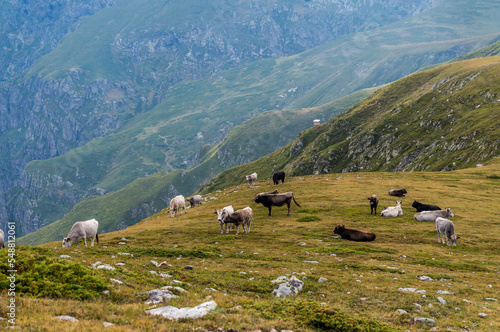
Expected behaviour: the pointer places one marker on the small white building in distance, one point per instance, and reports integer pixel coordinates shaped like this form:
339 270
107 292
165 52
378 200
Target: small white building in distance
316 122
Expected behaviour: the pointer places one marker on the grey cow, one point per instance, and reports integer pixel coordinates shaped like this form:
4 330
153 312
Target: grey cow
446 229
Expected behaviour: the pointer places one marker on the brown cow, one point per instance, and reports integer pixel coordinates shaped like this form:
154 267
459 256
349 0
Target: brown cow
353 234
270 200
240 217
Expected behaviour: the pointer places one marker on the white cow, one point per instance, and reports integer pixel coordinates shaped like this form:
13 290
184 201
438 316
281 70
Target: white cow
445 229
2 239
82 230
195 200
221 215
177 204
392 211
432 215
252 178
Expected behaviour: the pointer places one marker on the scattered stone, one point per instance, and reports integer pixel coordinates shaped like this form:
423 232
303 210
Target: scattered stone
174 313
302 243
164 275
239 252
482 314
162 264
441 300
291 287
124 239
188 267
211 289
68 318
467 301
421 291
489 286
65 257
122 243
425 278
401 311
321 279
105 266
444 292
314 262
116 281
491 299
96 263
409 289
106 324
125 254
179 289
425 321
120 264
160 295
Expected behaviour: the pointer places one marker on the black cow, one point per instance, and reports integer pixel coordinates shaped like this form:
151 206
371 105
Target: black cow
270 200
353 234
424 207
373 204
398 193
279 176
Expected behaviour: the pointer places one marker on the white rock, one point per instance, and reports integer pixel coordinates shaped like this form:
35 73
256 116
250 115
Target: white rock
68 318
291 287
106 324
174 313
65 257
441 300
105 267
491 299
444 292
425 278
482 314
401 311
409 289
116 281
280 279
425 321
321 279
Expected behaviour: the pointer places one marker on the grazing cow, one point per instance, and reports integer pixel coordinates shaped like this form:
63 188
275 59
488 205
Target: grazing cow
279 176
240 217
432 215
398 193
424 207
373 204
177 204
2 239
252 178
270 200
392 211
195 200
221 215
445 229
353 234
82 230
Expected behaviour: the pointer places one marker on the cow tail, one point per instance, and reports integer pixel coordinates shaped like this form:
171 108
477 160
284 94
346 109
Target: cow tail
296 202
97 237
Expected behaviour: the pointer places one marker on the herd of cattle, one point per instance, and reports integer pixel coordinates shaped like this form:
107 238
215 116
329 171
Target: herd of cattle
227 216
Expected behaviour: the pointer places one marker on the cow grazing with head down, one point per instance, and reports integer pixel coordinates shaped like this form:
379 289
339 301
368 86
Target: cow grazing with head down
279 176
445 229
221 215
424 207
433 215
373 204
82 230
270 200
392 211
252 178
398 192
353 234
240 217
177 204
195 200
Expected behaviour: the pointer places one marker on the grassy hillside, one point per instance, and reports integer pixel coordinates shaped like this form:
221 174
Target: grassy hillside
255 138
362 281
440 119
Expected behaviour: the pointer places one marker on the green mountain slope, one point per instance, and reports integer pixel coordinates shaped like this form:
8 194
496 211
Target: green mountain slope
256 137
441 119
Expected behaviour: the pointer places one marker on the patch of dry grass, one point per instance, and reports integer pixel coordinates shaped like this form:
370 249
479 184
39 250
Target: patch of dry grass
362 278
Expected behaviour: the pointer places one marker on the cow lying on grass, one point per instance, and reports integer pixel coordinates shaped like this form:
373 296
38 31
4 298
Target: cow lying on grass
270 200
424 207
82 230
392 211
398 192
353 234
240 217
432 215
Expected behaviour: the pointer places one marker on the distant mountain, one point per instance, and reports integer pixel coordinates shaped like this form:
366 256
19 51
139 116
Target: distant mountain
110 78
441 119
105 69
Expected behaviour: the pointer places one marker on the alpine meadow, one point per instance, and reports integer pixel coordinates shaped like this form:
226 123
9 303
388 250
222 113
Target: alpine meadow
250 165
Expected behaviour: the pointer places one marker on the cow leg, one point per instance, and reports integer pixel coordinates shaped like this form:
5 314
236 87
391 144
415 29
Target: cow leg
222 228
270 210
237 228
289 203
85 241
249 226
92 242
